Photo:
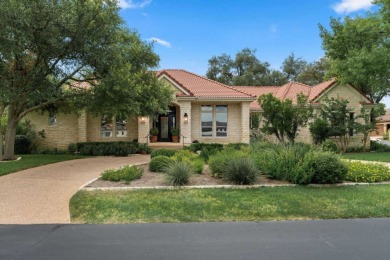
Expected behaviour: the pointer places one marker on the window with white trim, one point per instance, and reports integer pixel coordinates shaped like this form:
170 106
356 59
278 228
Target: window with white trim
106 126
121 126
221 120
207 119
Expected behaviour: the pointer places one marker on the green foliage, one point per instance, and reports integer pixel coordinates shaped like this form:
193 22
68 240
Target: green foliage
175 131
378 147
27 129
260 146
126 173
292 67
340 120
194 160
178 173
164 152
72 148
283 118
153 131
330 146
355 149
22 144
319 130
314 72
300 164
359 51
240 171
236 146
327 168
107 148
218 161
367 172
160 163
144 148
49 47
206 150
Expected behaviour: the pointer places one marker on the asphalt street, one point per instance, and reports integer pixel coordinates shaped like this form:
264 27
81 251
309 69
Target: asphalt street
319 239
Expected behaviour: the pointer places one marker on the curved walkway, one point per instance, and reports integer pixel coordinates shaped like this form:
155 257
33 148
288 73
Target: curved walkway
42 194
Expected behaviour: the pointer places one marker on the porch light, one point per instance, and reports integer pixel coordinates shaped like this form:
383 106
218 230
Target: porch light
143 120
185 118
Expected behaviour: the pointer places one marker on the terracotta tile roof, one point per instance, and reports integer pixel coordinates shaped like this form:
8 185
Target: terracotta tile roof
317 90
291 90
258 91
198 86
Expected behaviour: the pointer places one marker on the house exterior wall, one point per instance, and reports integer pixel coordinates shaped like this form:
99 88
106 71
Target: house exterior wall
236 132
60 135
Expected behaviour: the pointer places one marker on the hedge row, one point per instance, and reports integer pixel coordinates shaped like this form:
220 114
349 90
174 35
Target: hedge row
104 148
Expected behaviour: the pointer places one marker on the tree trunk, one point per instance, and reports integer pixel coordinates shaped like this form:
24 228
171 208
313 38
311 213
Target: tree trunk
10 133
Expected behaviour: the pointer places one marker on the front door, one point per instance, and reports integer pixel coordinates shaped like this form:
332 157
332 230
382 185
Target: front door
165 123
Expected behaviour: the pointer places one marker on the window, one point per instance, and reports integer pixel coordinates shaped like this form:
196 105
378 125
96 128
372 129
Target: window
221 120
207 119
121 126
106 126
52 118
214 117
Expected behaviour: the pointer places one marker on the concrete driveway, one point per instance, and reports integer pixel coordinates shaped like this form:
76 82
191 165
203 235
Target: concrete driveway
42 194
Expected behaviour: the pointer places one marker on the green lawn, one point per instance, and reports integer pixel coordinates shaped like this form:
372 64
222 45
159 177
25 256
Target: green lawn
370 156
252 204
30 161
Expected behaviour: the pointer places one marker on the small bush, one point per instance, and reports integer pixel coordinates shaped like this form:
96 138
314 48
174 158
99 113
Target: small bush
126 173
378 147
178 173
22 144
367 172
194 160
330 146
327 168
355 149
72 148
240 171
144 148
163 152
236 146
159 163
261 146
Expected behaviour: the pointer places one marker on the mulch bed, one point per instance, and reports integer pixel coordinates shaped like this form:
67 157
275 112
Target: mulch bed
151 179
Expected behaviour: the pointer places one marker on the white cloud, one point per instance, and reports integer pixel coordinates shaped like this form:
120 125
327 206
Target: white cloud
130 4
162 42
349 6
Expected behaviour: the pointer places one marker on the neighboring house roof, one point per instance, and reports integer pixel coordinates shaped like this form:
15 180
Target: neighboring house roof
198 86
386 117
290 91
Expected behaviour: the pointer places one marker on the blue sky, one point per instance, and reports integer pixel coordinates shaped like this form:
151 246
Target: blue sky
188 33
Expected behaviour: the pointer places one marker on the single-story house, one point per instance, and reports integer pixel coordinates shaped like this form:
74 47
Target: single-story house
382 127
204 110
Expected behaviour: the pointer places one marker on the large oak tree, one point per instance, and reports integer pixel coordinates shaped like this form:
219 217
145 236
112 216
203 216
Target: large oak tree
49 47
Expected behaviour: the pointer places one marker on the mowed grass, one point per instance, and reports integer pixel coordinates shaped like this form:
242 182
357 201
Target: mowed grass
369 156
34 160
252 204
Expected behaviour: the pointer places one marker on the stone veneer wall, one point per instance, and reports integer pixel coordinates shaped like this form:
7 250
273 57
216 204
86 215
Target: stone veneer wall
238 124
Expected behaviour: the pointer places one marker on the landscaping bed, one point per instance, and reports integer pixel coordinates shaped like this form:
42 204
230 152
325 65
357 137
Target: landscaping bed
153 179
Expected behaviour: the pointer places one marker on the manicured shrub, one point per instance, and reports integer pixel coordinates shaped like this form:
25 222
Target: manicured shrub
164 152
206 149
236 146
367 172
159 163
126 173
327 168
22 144
178 173
330 146
240 171
72 148
107 148
355 149
144 148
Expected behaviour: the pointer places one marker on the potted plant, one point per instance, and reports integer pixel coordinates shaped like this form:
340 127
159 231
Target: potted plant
175 134
153 135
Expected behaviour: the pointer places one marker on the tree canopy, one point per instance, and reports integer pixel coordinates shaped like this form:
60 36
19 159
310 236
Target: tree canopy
359 51
247 70
47 48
